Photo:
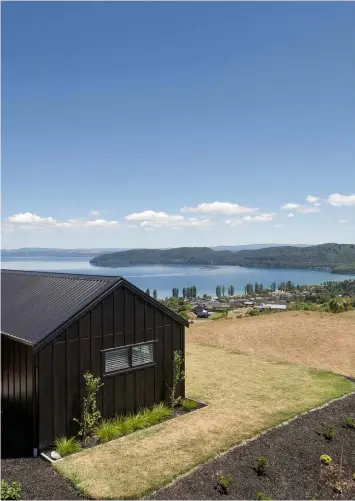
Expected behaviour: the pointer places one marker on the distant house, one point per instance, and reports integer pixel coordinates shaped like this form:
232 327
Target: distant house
237 304
216 305
271 307
248 303
55 327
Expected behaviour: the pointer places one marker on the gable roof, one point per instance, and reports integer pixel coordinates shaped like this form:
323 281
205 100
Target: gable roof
36 304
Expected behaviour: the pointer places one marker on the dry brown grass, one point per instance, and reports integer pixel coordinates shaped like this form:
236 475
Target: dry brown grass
245 395
322 340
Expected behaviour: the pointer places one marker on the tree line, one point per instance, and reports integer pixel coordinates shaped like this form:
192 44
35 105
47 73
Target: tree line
155 294
345 287
187 292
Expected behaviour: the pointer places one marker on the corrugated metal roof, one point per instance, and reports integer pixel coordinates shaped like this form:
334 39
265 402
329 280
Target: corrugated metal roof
35 304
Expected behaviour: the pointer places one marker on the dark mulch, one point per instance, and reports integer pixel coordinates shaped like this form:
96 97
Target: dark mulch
293 452
38 479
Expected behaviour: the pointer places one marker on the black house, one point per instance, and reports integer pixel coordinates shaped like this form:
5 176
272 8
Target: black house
55 327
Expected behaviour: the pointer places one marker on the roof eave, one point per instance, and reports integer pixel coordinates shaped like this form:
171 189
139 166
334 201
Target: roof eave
16 338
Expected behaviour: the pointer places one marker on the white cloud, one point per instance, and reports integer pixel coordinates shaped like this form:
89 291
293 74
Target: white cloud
29 221
152 219
308 210
181 223
101 223
29 218
234 222
290 205
261 218
341 220
64 225
311 199
94 213
290 215
317 204
193 222
150 215
338 199
219 208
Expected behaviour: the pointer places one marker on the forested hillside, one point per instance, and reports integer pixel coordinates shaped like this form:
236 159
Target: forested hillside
335 257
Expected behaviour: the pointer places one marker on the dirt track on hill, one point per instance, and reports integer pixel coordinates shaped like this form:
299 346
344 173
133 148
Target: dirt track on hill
322 340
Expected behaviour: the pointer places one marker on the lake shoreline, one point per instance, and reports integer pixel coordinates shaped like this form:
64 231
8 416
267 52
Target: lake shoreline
327 269
164 278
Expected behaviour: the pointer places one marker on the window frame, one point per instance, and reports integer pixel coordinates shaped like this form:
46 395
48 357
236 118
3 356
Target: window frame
131 367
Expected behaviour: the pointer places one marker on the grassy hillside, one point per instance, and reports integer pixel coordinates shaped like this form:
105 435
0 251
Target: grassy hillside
337 257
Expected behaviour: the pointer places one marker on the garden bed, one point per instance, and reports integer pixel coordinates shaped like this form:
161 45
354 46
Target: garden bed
294 468
135 423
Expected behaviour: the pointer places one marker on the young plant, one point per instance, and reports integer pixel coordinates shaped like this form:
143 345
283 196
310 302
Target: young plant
90 413
261 465
65 446
178 377
106 430
350 422
262 496
223 482
325 459
188 405
329 432
10 490
136 422
158 413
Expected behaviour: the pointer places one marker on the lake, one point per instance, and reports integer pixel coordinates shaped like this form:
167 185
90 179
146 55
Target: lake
164 278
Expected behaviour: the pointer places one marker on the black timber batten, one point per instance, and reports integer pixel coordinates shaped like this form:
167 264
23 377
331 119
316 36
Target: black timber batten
55 327
36 306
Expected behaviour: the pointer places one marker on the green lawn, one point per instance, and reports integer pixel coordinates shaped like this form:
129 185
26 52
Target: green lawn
245 395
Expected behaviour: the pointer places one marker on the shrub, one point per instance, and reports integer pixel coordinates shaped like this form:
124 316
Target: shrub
106 430
65 446
329 432
90 413
224 482
158 413
253 312
339 304
10 490
188 405
353 476
350 422
261 465
262 496
325 459
124 425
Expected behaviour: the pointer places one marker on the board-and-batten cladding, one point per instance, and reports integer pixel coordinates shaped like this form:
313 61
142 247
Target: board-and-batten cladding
121 316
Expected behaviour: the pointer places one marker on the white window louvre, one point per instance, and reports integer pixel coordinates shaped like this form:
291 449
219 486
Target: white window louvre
142 354
116 360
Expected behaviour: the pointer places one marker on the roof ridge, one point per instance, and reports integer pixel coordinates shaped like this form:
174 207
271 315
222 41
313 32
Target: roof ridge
75 276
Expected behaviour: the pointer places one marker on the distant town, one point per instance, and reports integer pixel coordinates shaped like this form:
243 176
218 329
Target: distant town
329 296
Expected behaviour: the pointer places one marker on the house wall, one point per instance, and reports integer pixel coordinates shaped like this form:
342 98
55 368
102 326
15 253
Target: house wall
16 398
122 318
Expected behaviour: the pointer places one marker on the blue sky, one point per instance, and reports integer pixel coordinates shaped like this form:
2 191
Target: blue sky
170 124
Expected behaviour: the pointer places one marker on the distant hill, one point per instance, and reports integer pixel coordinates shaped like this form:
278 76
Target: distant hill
340 257
236 248
43 252
38 252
